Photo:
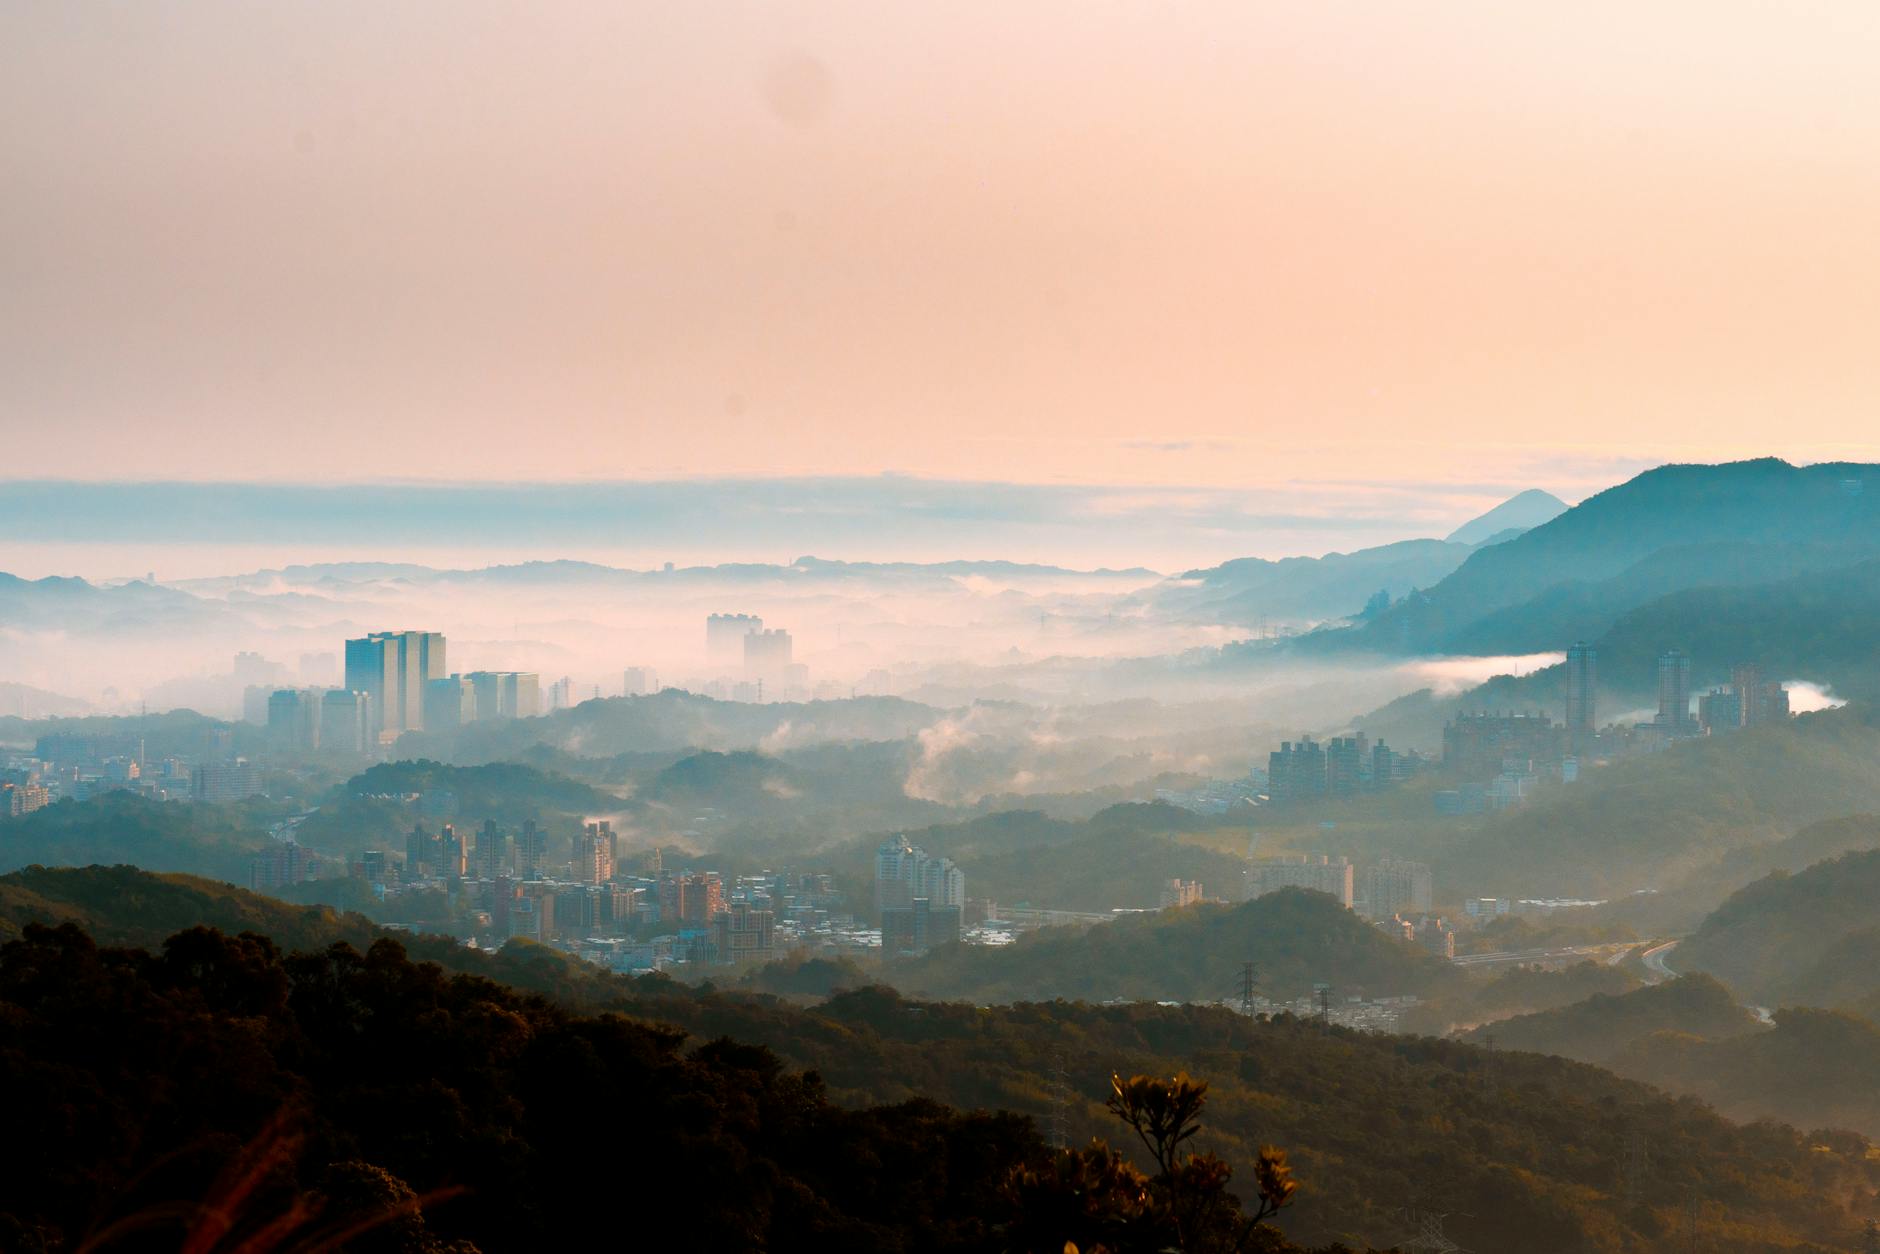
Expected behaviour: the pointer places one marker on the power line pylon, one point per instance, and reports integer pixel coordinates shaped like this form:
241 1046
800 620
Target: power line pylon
1429 1237
1636 1163
1249 982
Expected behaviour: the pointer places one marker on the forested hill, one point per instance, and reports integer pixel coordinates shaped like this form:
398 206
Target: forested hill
1742 506
1606 1025
1296 938
390 1054
1789 938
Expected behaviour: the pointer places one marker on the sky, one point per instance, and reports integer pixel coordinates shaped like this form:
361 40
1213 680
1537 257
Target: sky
1378 263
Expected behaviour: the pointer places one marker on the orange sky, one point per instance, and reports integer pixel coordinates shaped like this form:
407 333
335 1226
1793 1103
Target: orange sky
1219 245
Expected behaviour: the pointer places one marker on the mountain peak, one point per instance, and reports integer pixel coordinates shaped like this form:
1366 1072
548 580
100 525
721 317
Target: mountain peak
1519 512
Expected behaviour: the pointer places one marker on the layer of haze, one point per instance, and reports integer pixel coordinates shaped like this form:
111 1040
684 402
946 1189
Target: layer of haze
1220 245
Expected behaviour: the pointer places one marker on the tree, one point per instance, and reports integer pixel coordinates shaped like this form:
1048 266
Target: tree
1091 1200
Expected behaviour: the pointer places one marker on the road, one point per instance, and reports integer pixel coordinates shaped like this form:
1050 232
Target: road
1654 960
1543 957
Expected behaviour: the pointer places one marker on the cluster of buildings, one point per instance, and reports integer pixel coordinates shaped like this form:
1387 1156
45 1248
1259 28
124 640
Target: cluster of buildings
921 899
1340 768
1395 894
572 891
79 767
761 657
1499 758
394 682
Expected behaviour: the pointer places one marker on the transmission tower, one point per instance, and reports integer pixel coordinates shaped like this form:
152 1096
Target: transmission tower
1322 995
1060 1104
1429 1237
1249 981
1636 1163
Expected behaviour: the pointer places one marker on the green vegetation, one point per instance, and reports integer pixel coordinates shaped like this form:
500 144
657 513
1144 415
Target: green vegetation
1605 1025
1795 937
1521 990
1119 858
214 840
1818 1068
502 791
1521 1146
1661 819
1297 938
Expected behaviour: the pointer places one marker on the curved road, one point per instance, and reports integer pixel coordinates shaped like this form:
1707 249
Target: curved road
1654 960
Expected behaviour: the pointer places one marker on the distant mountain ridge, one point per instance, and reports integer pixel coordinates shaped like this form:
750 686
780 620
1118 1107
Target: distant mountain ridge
1769 511
1521 512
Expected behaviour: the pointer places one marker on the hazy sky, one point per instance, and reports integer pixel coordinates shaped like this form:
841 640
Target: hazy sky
1266 246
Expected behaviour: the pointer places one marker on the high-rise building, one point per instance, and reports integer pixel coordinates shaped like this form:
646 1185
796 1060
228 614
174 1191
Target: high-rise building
595 853
1674 691
225 781
17 799
1344 756
424 853
1746 681
1296 771
281 864
639 681
767 653
724 635
917 927
506 694
743 933
1390 887
393 667
904 872
531 851
1582 696
449 702
452 859
492 852
346 721
1482 746
1719 711
700 896
294 719
1317 872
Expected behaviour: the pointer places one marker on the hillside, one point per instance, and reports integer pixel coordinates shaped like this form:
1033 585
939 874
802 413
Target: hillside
1522 990
1526 1160
1119 858
1672 507
1297 938
1607 1024
114 827
1778 939
1816 1068
1654 821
